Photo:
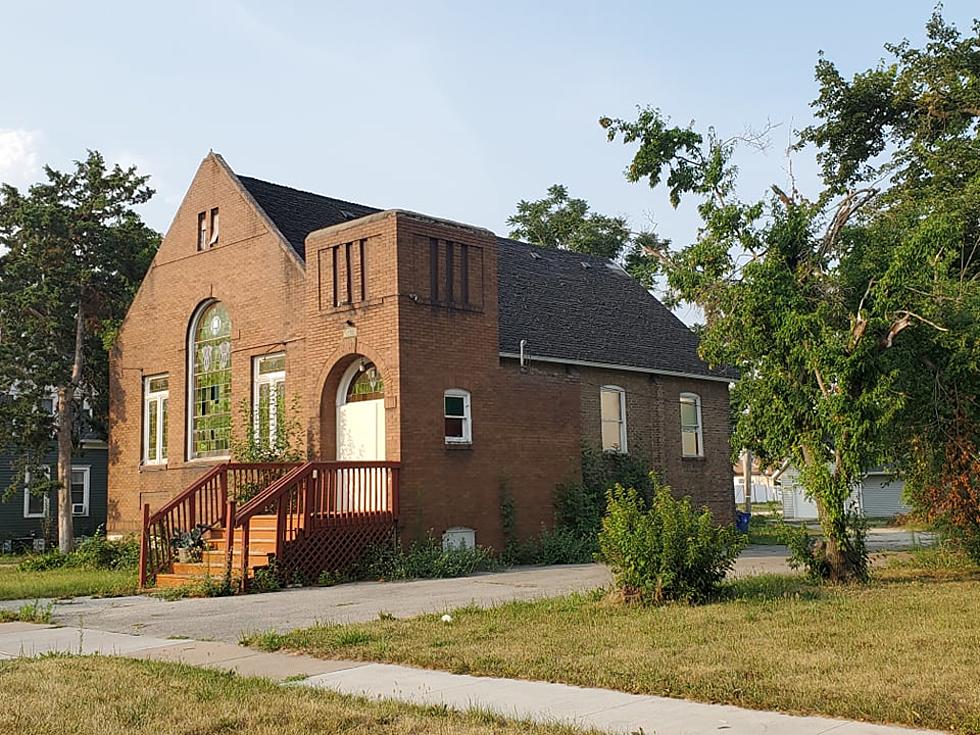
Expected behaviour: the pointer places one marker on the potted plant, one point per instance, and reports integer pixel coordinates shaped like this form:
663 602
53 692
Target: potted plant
189 546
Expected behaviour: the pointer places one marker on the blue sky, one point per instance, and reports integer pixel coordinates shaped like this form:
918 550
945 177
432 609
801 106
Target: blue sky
453 109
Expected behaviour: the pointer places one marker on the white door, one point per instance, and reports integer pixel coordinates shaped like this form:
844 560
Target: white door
361 431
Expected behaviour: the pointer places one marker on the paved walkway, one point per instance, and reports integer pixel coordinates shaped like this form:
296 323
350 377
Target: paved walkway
227 618
602 709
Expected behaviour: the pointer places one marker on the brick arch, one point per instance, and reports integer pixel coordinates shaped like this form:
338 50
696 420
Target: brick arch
327 384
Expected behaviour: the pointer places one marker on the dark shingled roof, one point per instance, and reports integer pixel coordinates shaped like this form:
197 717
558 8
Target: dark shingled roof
578 307
298 213
566 305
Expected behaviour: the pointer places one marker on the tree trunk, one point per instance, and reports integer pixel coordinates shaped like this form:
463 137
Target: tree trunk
836 551
66 529
66 420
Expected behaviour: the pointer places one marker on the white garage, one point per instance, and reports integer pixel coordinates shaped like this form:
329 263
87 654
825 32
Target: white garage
880 495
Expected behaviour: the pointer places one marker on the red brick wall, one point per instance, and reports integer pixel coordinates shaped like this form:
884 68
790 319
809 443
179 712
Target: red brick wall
258 281
654 434
528 426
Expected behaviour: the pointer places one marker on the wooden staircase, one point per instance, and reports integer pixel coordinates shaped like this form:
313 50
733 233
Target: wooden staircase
311 518
213 564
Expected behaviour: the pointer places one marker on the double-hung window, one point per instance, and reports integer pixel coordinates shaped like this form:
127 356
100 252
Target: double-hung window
156 396
612 410
692 442
36 505
456 416
80 490
268 397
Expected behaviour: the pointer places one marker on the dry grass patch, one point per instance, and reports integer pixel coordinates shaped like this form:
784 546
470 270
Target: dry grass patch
904 649
109 696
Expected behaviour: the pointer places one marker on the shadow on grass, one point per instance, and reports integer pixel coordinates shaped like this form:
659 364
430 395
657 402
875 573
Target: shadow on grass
764 587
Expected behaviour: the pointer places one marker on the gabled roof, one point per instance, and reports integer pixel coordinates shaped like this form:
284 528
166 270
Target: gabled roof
569 307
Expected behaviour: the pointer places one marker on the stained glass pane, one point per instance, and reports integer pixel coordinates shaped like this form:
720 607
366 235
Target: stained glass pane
212 382
264 414
163 429
272 364
367 386
156 385
153 422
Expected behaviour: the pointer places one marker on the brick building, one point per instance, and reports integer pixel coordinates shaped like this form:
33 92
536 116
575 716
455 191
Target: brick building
400 336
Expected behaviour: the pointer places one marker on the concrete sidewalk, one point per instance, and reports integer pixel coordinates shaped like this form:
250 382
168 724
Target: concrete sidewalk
601 709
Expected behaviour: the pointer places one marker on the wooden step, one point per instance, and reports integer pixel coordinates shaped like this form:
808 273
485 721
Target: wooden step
217 535
167 580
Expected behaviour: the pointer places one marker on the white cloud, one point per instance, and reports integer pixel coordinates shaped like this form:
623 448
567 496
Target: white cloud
19 163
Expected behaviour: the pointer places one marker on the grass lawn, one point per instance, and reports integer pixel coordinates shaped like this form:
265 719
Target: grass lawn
64 582
110 696
904 649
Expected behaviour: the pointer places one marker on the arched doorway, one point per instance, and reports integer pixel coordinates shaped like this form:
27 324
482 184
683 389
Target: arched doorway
361 414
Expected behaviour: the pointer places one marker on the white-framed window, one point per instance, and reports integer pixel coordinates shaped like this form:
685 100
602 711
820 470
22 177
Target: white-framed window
36 506
692 442
156 396
456 416
268 396
612 414
80 484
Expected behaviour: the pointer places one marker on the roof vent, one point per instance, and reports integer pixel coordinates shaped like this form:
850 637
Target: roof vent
586 265
536 256
347 214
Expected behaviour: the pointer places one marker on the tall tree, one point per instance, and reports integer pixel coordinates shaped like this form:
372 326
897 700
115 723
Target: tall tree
566 223
73 254
849 315
915 125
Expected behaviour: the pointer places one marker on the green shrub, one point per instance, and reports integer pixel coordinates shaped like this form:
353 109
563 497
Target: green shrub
93 552
579 507
667 552
555 546
426 559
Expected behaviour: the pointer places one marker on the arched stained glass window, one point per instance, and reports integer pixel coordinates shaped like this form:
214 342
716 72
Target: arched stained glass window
367 385
210 429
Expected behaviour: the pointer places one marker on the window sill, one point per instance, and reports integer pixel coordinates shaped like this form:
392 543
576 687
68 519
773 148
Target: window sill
459 445
692 458
155 467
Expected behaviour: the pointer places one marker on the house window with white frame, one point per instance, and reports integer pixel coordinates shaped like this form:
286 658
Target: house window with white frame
80 485
692 441
456 415
268 397
156 397
612 413
36 505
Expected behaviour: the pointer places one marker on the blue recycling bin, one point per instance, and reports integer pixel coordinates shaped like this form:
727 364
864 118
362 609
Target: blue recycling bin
742 520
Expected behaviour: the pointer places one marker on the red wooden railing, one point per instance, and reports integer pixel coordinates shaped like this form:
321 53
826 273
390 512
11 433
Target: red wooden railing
207 503
316 496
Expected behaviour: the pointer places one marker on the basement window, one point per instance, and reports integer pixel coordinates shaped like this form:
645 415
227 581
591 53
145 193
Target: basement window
456 415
